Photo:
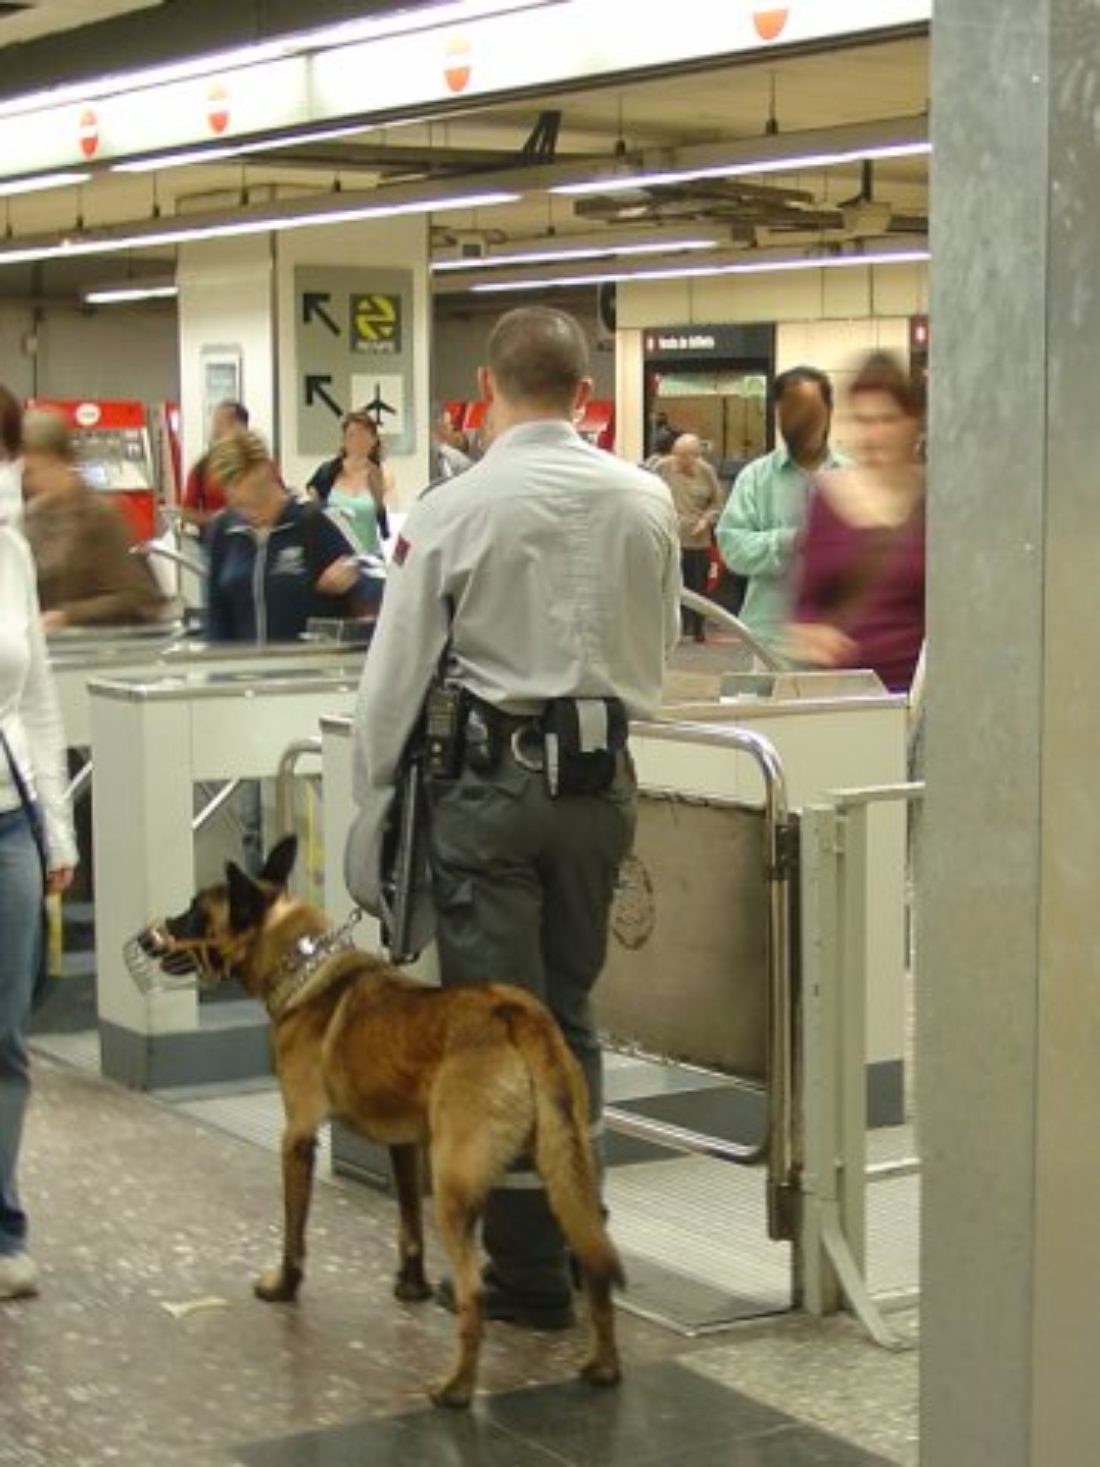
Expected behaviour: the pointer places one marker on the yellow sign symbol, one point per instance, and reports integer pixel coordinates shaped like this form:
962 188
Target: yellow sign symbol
376 317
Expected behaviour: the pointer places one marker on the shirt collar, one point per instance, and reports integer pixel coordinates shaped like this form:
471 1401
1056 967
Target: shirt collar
783 459
542 430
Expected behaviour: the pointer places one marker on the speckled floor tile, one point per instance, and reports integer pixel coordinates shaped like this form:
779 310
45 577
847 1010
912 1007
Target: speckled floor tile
136 1206
829 1376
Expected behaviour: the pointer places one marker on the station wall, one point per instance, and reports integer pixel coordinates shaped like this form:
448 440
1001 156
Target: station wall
115 352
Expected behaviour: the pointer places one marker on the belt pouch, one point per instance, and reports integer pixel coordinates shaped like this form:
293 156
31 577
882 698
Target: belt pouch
581 738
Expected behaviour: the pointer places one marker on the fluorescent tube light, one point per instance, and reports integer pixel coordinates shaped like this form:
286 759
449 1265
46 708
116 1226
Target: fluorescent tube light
456 12
167 232
695 272
13 186
124 294
175 160
586 252
794 163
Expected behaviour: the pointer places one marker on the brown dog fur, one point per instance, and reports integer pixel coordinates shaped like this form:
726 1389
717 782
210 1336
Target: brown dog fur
479 1075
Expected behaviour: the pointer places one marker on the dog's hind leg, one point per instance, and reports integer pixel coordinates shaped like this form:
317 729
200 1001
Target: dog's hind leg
457 1209
412 1287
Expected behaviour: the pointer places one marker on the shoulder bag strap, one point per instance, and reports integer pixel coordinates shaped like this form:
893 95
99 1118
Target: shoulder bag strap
29 807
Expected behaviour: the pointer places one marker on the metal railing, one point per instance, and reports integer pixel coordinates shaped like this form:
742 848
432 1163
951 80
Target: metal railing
217 802
777 1147
713 612
835 853
284 781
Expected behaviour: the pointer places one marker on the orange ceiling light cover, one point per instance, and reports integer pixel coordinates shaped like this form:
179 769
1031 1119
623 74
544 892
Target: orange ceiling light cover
770 23
457 67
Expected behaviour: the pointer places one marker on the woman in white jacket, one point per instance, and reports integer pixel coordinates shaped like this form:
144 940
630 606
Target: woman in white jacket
31 729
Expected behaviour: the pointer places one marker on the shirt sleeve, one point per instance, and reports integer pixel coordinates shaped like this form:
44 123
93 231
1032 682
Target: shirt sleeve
192 491
748 544
672 581
330 542
714 500
409 640
41 721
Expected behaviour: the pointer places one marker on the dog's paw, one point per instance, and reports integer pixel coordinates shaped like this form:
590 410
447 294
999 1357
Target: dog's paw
412 1290
277 1286
599 1372
451 1394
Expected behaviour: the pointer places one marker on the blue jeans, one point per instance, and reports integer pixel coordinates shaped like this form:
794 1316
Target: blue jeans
20 936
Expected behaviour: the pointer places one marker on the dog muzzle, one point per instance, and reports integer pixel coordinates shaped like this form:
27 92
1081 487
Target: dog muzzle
161 963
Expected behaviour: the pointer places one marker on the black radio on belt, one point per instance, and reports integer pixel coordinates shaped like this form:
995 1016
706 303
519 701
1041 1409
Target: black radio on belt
444 723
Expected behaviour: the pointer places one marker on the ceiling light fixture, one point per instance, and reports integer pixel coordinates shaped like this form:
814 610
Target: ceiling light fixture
12 186
696 272
125 294
747 168
456 12
167 232
175 160
583 252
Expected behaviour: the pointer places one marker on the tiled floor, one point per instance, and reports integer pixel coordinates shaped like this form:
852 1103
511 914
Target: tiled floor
136 1207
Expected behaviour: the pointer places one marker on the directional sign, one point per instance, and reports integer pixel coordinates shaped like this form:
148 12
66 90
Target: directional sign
376 324
383 396
345 321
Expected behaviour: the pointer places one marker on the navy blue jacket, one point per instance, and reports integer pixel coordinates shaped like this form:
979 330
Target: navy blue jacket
263 587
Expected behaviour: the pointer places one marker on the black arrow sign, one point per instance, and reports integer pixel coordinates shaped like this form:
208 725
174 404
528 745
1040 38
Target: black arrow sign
313 307
315 388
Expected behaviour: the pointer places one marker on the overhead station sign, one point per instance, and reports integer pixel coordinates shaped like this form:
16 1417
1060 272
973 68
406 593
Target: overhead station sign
354 349
560 44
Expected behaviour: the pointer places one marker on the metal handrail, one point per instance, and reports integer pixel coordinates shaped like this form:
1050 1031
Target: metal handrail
777 1146
79 783
284 781
713 612
147 549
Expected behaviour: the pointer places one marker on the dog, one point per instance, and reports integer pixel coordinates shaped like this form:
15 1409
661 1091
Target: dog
479 1075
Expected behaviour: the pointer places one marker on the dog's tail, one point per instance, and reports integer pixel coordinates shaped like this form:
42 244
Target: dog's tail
563 1155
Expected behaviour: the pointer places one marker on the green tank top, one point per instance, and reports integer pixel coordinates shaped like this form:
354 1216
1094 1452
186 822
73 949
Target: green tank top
359 514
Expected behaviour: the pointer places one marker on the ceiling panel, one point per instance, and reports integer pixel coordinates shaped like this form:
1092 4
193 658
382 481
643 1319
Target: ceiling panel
48 17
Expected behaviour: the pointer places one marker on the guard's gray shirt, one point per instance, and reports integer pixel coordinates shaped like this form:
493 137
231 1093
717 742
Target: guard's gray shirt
555 570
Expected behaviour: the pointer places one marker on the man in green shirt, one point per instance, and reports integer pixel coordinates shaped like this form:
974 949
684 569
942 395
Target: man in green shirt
766 510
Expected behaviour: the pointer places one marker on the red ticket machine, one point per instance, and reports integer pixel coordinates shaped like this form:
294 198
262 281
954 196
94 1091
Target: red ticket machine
597 423
113 453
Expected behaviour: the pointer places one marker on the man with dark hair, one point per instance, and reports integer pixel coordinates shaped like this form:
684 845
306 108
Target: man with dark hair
759 528
203 496
536 597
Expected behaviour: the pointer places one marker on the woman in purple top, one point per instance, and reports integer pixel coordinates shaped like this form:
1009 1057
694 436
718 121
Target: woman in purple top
860 600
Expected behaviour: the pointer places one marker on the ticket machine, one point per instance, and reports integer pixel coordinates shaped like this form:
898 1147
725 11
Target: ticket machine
113 452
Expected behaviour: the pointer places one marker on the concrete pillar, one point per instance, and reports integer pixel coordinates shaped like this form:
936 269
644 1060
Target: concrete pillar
226 314
1009 981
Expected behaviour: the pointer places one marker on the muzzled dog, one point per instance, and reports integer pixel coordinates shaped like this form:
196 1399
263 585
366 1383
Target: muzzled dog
479 1075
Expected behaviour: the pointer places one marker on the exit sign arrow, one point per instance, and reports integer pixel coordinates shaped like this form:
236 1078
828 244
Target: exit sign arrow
316 386
313 309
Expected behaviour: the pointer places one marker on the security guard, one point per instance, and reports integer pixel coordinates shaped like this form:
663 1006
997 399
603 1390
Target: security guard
545 581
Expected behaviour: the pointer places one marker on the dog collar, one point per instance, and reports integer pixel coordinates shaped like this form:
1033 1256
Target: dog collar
301 965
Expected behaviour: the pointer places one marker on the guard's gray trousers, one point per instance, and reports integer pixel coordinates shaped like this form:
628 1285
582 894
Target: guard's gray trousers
523 887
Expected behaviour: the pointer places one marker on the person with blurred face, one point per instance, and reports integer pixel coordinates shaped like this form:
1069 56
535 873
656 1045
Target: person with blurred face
697 499
765 514
79 539
203 496
860 600
357 482
275 562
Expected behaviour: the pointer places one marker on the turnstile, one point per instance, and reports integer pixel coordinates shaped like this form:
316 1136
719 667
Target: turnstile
152 740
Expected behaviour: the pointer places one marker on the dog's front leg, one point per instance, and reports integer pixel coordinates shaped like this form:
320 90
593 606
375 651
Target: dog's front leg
280 1285
411 1285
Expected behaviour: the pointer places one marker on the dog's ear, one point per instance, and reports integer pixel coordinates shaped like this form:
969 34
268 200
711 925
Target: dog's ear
247 901
280 861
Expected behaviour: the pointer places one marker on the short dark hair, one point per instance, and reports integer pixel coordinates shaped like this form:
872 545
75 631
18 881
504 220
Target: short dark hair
237 409
11 423
794 376
538 355
882 372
